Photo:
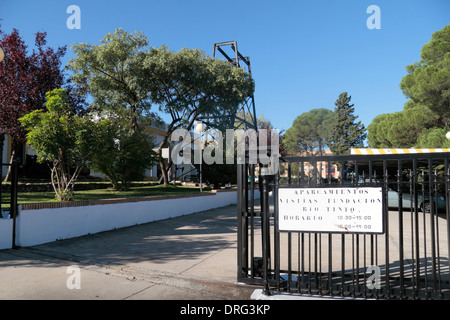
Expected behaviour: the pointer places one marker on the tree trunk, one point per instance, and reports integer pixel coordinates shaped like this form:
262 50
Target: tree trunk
8 174
162 166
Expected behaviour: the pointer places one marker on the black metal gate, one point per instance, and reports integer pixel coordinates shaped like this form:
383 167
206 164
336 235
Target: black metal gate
408 260
8 197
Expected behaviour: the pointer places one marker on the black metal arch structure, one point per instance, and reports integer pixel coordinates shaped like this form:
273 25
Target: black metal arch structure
245 118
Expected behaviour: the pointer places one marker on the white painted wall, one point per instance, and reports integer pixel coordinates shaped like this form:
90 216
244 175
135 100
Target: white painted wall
34 227
5 233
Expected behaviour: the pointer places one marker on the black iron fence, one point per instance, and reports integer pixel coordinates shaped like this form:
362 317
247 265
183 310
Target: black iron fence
409 258
8 196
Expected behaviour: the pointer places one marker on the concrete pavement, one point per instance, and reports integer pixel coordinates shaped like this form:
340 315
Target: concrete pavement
191 257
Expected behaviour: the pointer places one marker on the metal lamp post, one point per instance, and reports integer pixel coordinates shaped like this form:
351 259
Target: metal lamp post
200 127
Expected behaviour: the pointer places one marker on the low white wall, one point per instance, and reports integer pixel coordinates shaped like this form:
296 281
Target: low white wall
6 226
40 226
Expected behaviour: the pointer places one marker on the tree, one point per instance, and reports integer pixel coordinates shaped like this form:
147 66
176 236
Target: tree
58 136
189 86
426 116
403 129
345 132
377 132
428 81
124 78
308 133
433 138
119 153
24 80
113 74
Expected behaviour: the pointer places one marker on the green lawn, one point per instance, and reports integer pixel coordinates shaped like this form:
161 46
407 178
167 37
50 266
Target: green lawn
97 194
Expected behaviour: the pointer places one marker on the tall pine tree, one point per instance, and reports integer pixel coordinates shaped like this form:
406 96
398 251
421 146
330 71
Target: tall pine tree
345 132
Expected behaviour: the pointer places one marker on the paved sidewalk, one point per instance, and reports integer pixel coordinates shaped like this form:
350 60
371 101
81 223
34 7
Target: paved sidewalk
191 257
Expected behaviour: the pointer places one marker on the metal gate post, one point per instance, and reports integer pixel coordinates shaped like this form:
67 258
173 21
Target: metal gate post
13 205
240 234
447 206
265 233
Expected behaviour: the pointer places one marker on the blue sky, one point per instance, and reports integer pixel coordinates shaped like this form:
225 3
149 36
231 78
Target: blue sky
303 53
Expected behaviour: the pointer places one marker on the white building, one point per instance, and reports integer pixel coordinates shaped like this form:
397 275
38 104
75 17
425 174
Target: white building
183 172
157 133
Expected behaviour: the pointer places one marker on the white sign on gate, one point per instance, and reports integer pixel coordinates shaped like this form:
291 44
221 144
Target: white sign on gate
337 210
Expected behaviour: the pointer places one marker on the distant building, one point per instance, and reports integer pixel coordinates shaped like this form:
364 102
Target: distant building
322 168
6 156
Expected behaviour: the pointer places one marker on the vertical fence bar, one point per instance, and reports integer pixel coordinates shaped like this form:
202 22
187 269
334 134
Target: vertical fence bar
435 217
289 181
265 234
414 197
372 244
301 239
330 244
342 240
400 228
387 289
316 245
240 234
309 285
277 231
245 215
424 222
14 206
252 219
357 248
412 206
447 209
432 227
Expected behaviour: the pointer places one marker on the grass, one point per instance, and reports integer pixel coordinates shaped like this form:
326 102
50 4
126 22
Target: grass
97 194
